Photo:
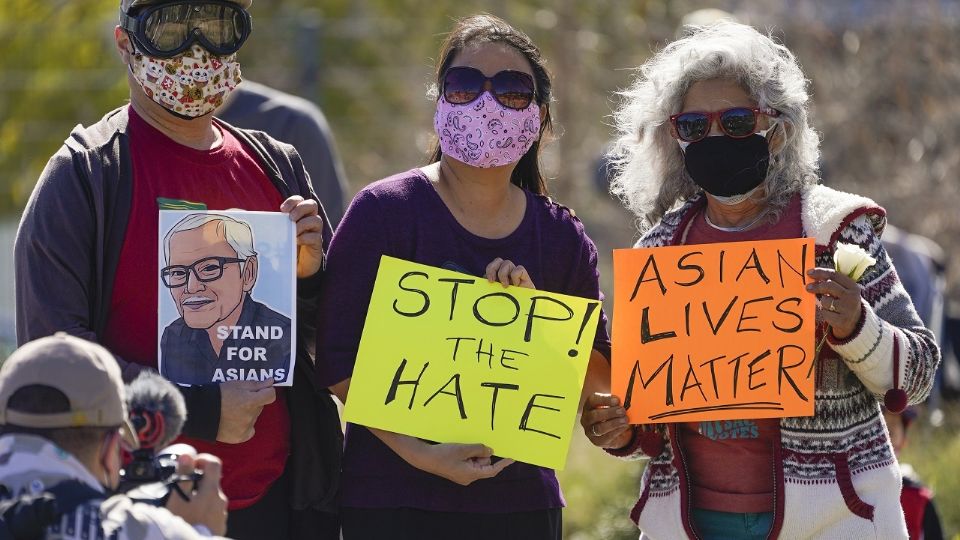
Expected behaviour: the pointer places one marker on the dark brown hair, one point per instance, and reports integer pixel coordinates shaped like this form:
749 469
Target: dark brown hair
485 28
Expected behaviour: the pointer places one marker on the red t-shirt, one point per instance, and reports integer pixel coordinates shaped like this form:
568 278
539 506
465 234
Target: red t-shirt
731 461
229 176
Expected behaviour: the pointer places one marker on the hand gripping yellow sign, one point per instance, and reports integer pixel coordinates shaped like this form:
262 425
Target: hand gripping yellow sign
450 357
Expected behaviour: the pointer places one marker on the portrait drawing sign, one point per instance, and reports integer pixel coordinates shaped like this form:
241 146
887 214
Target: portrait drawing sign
227 296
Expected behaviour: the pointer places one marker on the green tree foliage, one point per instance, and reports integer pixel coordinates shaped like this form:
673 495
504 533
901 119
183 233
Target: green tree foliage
58 68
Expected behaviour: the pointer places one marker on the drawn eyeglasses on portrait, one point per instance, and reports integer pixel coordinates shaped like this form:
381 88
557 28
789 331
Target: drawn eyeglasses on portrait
206 270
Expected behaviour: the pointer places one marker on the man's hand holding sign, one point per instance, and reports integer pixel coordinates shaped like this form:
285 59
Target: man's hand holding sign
224 334
456 359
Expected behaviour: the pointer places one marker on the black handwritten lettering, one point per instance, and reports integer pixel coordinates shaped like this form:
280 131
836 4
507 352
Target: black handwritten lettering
750 406
456 345
456 393
668 363
488 353
686 379
713 374
802 272
453 290
743 311
481 318
651 263
782 370
751 372
493 399
645 335
392 393
722 253
426 297
706 311
591 307
736 372
525 419
504 358
698 268
532 314
796 315
756 266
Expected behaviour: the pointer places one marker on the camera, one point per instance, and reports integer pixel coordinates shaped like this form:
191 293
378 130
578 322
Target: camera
147 467
151 479
157 412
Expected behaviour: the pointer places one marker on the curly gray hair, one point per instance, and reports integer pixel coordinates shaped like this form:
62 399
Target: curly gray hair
648 168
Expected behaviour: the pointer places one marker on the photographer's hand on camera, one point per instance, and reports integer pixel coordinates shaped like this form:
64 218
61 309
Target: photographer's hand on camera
240 406
207 505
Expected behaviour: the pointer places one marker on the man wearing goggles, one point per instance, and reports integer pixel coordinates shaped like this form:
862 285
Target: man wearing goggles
184 52
166 30
86 275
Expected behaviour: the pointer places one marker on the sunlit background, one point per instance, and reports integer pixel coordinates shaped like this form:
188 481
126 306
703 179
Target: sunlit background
885 76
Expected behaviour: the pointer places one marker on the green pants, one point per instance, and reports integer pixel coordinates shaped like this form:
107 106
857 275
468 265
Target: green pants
713 525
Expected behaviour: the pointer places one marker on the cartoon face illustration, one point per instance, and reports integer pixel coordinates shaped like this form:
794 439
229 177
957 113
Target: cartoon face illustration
154 72
185 79
214 282
200 75
167 98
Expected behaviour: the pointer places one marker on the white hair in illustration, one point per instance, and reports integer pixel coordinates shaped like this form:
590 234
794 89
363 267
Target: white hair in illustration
238 234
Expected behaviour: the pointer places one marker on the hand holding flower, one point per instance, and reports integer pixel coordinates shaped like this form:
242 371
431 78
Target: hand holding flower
839 300
839 292
852 260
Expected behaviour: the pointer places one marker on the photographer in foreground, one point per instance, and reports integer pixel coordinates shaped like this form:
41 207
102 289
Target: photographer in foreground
63 423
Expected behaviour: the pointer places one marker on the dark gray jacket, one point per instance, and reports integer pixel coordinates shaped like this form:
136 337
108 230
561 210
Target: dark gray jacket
300 123
66 254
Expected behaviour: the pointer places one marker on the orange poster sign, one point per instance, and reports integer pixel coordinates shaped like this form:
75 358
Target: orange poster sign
714 331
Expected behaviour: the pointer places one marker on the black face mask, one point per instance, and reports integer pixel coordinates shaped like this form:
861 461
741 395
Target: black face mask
725 167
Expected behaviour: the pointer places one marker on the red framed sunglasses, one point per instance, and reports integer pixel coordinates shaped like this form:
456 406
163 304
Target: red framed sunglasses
736 122
512 89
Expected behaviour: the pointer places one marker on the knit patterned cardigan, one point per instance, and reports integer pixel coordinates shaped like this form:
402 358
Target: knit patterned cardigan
835 472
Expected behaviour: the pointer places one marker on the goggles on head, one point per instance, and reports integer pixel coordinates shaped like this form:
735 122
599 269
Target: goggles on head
166 30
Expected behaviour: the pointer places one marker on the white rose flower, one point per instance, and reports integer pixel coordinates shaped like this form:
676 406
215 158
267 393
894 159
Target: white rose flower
852 260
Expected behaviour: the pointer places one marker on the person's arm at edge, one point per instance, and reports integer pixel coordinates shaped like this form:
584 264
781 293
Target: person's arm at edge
308 288
888 330
53 260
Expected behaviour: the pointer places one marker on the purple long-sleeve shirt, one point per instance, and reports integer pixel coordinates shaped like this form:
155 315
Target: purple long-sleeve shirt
403 216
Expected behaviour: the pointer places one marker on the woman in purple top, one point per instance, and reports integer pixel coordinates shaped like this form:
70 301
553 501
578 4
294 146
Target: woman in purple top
479 208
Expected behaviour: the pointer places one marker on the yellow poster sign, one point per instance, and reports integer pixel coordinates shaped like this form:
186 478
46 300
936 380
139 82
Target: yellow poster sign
714 331
450 357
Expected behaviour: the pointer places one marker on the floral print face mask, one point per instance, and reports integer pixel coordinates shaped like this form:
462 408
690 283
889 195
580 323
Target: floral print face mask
484 133
188 85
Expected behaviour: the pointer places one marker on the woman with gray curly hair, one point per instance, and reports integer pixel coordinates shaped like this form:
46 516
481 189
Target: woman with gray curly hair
715 146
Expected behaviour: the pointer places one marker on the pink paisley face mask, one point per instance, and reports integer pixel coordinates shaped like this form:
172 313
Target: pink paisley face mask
191 84
484 133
